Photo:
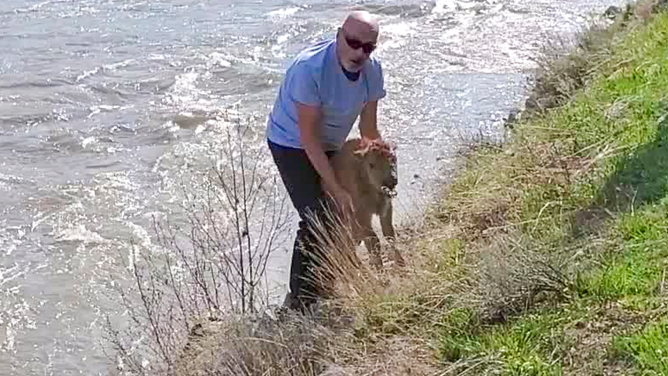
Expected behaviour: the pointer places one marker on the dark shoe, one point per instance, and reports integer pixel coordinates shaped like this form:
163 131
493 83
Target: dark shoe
303 305
291 302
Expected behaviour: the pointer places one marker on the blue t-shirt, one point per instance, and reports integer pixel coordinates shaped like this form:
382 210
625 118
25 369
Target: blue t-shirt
316 78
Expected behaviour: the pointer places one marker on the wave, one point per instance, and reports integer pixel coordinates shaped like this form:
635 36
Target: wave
402 10
36 84
284 12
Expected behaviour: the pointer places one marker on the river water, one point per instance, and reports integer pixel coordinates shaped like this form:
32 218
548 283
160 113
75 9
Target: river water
105 104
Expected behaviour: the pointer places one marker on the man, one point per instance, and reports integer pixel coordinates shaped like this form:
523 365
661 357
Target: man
326 87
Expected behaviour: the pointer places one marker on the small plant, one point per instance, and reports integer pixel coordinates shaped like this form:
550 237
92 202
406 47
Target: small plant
212 265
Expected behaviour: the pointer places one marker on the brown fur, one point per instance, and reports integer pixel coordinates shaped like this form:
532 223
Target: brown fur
361 168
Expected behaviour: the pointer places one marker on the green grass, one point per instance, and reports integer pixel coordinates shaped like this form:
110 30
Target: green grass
589 178
529 346
647 349
637 266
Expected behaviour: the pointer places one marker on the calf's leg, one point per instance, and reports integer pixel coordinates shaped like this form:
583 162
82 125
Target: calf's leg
373 246
370 239
388 232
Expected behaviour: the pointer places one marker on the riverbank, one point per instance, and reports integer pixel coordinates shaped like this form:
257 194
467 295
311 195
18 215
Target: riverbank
547 254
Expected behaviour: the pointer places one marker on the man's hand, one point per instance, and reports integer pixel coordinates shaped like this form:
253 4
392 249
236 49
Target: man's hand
309 128
344 201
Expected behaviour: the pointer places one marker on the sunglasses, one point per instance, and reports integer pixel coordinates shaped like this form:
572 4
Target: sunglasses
356 44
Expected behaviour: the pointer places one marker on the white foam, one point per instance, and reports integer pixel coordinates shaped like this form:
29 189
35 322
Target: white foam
11 338
80 233
171 127
184 91
217 58
141 234
156 57
116 180
94 110
444 6
185 82
282 38
398 34
400 28
10 178
465 5
7 275
88 141
33 8
284 12
87 74
121 64
278 48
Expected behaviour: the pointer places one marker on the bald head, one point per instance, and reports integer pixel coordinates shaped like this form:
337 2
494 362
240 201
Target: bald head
361 23
357 39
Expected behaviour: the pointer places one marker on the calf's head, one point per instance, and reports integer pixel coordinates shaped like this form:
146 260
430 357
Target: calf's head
379 165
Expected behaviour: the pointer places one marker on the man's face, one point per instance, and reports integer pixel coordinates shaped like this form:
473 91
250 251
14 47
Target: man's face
355 46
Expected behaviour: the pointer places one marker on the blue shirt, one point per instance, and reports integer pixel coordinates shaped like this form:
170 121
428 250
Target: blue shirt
315 77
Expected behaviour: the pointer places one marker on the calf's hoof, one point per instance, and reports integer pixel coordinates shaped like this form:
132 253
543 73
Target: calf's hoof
398 259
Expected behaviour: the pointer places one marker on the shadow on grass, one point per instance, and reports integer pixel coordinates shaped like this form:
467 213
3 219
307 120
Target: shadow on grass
633 267
638 180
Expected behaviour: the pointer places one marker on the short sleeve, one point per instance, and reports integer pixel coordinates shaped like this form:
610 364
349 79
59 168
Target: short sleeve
303 87
376 83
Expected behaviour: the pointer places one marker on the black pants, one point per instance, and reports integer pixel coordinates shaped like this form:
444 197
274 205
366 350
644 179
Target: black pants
303 184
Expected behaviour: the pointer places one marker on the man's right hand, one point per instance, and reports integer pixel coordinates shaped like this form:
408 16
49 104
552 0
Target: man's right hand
344 202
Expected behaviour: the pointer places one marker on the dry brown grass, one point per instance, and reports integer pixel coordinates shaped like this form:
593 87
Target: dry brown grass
491 195
289 345
564 66
396 356
383 321
399 314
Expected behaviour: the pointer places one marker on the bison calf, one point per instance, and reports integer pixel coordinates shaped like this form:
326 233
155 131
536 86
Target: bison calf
368 171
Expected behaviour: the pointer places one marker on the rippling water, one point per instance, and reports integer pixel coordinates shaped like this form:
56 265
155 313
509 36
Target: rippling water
105 105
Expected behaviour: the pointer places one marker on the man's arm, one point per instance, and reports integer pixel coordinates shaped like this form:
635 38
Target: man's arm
368 118
369 121
309 123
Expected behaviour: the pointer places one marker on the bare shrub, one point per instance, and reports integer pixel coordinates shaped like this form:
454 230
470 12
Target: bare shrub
512 273
214 263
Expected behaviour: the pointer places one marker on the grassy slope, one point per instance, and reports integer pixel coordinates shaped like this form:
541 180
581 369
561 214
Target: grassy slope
555 256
